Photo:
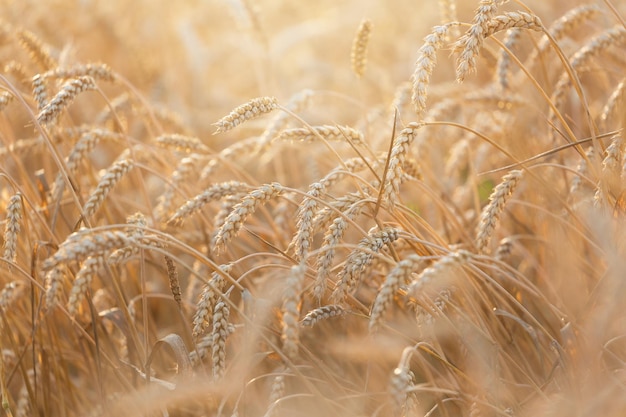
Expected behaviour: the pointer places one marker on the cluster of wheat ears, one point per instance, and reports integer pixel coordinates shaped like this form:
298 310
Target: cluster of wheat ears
458 253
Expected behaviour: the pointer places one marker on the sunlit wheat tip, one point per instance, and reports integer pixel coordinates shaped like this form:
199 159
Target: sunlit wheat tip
358 56
492 211
250 110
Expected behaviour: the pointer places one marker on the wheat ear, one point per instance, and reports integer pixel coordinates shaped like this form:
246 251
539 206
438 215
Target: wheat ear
303 238
326 132
358 56
426 61
401 381
397 158
112 176
203 318
562 26
492 211
322 313
220 332
84 243
182 143
439 269
471 43
296 103
185 170
12 227
291 310
5 98
360 259
614 102
40 91
397 277
250 110
82 282
79 152
96 71
329 246
504 60
39 52
215 192
172 277
50 112
242 211
614 36
10 293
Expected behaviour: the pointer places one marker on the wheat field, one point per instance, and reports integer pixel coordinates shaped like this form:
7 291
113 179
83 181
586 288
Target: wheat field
275 208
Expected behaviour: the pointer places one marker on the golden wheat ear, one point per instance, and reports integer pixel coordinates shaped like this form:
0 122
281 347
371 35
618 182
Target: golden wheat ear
358 55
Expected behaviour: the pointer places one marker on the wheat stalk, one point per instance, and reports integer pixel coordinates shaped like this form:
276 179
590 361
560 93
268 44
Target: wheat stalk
358 55
250 110
492 211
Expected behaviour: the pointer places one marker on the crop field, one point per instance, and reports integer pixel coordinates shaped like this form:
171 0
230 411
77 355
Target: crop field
327 208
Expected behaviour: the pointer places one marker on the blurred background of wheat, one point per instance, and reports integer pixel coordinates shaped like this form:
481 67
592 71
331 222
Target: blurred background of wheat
310 258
